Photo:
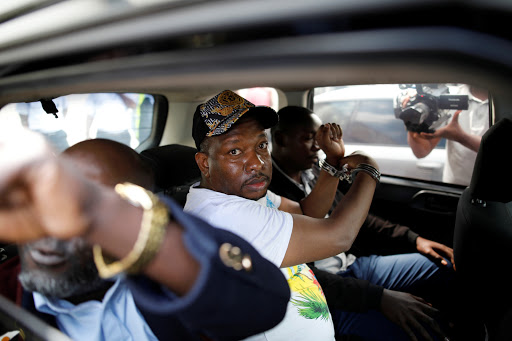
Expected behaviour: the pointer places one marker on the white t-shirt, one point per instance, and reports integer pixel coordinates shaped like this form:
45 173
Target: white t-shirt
269 231
461 160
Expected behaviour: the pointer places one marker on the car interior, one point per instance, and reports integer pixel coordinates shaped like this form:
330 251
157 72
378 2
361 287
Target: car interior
181 53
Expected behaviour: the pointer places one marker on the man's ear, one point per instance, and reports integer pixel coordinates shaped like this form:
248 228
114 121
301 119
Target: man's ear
202 163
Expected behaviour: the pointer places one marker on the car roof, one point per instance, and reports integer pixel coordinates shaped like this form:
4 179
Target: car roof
190 50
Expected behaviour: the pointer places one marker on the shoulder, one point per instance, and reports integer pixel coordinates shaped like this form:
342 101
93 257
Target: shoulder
203 198
212 206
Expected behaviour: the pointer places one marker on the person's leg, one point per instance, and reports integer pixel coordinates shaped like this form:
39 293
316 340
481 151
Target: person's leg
412 273
368 326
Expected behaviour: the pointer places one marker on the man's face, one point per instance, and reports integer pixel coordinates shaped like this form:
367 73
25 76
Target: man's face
58 268
239 161
299 148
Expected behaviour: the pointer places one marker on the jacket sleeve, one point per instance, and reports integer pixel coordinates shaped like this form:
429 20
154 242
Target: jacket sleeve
380 236
227 302
346 293
390 230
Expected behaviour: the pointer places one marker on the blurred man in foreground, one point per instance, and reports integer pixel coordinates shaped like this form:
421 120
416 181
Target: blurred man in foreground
67 204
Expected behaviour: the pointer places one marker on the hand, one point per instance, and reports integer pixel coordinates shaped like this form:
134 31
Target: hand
452 131
413 314
328 138
435 250
40 195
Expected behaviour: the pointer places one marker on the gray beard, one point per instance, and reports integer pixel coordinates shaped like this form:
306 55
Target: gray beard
69 285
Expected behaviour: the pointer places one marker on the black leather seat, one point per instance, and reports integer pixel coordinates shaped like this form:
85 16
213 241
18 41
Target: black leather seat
175 169
483 234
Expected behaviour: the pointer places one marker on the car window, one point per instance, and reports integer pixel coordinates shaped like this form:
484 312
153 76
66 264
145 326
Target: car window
339 112
261 96
371 122
365 113
66 120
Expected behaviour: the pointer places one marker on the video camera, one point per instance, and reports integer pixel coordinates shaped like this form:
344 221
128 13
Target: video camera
427 108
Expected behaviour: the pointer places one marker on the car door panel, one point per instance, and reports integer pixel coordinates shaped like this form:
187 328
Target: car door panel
427 208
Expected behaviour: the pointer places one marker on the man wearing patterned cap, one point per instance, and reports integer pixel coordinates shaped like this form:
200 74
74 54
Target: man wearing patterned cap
235 165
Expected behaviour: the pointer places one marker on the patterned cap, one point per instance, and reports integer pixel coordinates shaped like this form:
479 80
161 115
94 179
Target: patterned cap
218 115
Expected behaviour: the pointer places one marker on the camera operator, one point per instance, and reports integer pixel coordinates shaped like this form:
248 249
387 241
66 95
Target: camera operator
463 134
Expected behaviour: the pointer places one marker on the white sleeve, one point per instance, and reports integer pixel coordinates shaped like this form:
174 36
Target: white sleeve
267 229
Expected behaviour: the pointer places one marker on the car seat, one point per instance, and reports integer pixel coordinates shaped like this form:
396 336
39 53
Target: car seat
483 234
175 169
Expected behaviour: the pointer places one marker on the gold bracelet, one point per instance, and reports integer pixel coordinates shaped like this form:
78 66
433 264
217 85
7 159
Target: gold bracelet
151 234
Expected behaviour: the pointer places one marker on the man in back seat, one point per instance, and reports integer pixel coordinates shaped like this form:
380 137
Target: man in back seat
236 170
70 202
294 172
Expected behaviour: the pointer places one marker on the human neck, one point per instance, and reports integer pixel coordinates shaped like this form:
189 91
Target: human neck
203 183
96 295
292 173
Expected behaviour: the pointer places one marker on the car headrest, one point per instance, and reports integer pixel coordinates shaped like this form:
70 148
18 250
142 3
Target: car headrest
173 164
491 178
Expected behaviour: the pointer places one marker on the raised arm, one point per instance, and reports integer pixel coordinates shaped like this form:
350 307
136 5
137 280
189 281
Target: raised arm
314 238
